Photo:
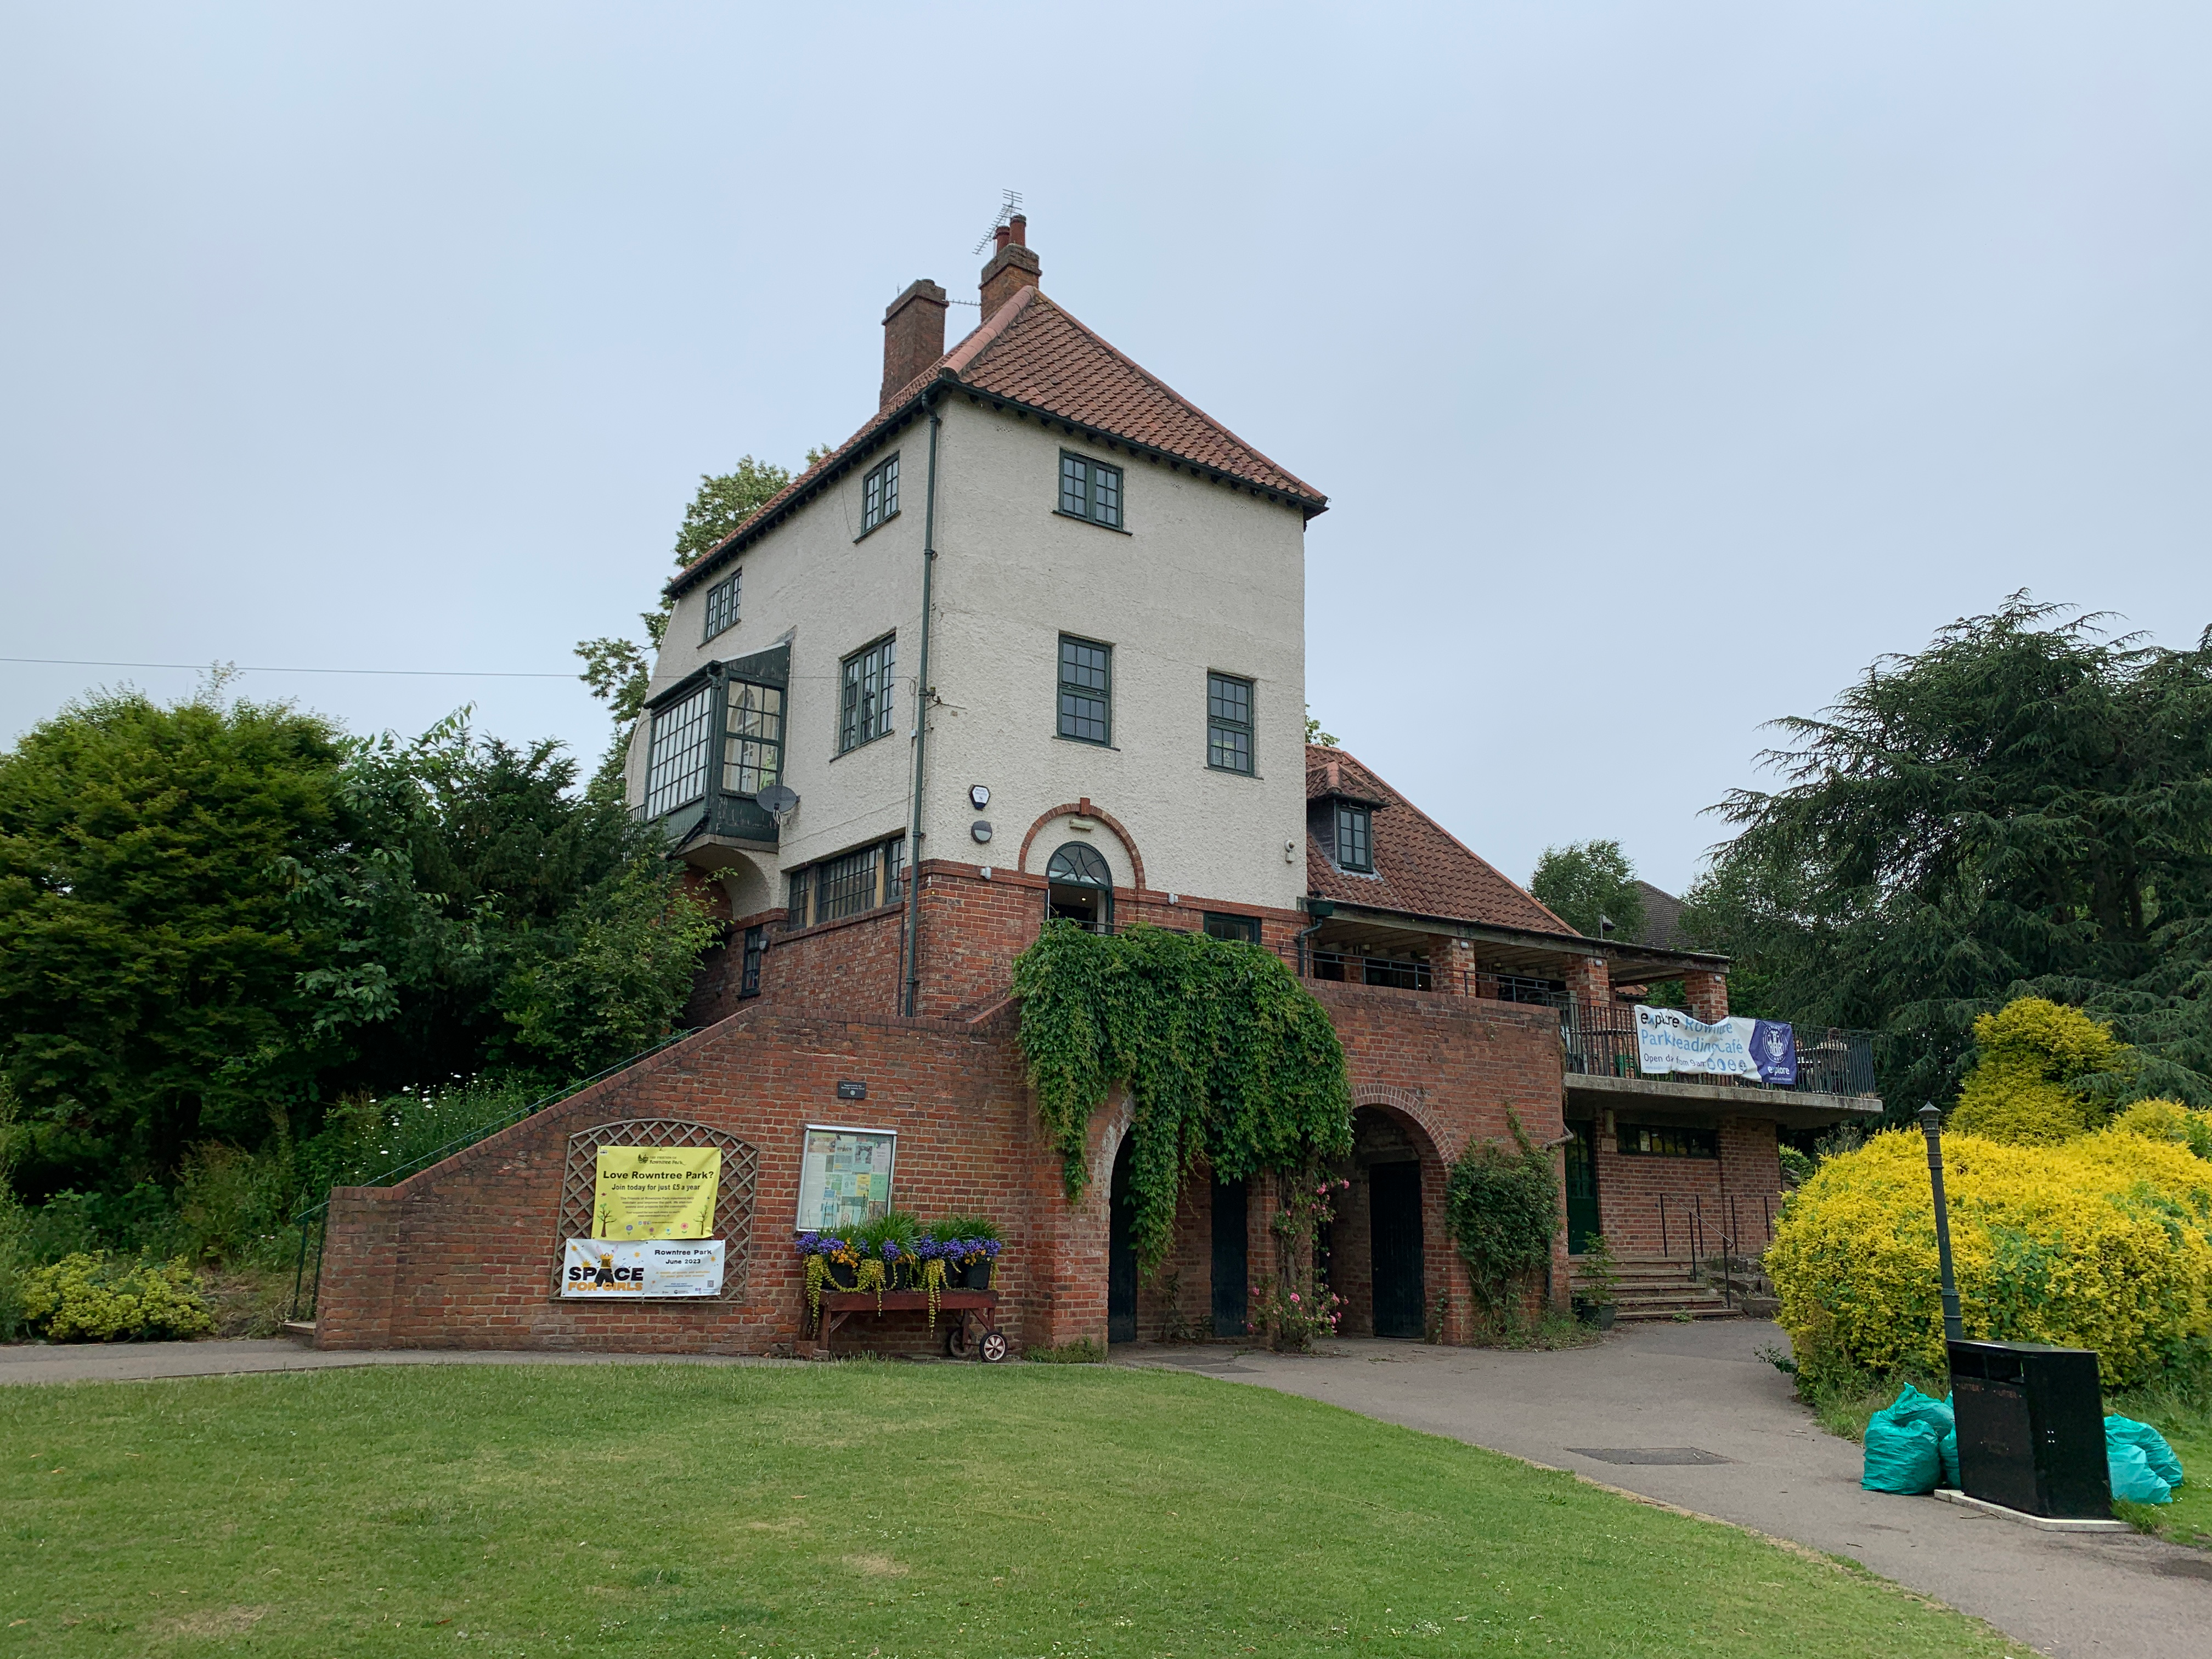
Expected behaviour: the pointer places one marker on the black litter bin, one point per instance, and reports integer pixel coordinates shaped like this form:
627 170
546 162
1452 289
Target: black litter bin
2031 1429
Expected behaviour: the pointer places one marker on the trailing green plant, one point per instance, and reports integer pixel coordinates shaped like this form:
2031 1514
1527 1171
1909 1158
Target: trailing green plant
104 1298
1601 1273
1295 1310
1228 1060
1503 1209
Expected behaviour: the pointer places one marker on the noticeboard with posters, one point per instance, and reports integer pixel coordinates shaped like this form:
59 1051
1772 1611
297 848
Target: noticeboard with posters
844 1176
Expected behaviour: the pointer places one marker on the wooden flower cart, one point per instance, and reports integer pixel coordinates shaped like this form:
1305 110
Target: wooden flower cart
970 1317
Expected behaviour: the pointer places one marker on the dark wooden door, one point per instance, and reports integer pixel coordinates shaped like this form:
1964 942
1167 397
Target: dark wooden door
1394 1203
1230 1268
1121 1256
1581 1188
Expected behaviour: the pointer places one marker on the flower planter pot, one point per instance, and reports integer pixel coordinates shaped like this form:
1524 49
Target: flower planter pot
840 1275
976 1276
1598 1314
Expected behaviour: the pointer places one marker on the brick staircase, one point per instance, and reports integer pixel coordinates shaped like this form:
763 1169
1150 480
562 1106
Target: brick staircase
1653 1287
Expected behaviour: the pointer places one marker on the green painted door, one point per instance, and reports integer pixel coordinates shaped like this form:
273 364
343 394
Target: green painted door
1581 1188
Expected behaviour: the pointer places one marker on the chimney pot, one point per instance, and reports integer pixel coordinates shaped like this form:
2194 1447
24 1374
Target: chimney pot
1018 228
914 336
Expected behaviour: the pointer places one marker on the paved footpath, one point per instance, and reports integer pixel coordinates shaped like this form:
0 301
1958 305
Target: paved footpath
1702 1387
1672 1387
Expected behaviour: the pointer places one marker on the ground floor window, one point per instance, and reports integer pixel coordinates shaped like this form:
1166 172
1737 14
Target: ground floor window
1647 1140
865 879
1245 930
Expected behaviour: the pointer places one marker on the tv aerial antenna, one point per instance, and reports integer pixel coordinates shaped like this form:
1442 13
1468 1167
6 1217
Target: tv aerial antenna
1007 210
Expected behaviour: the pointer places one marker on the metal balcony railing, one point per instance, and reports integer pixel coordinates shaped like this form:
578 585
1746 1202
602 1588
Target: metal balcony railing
1601 1042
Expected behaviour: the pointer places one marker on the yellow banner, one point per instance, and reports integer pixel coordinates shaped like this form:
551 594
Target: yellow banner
656 1192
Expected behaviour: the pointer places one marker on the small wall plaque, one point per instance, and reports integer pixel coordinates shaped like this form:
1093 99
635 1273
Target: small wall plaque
848 1091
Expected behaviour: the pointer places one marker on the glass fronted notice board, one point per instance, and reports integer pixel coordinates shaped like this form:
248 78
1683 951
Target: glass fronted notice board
844 1178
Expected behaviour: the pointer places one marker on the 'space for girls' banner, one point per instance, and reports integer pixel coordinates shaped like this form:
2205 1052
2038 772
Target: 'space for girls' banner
1669 1040
609 1269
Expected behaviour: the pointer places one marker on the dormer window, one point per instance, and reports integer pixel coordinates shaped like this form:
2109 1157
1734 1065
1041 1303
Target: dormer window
879 495
1090 490
1355 838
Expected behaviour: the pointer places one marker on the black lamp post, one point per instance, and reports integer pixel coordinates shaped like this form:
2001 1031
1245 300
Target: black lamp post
1931 1125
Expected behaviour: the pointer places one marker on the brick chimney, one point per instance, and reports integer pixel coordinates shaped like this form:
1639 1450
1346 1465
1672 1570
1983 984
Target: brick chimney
914 335
1012 267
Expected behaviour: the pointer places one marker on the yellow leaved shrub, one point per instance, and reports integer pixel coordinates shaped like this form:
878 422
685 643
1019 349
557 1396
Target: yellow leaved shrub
101 1298
2031 1060
2104 1242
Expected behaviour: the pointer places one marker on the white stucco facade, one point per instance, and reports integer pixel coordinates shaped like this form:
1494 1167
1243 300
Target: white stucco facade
1204 577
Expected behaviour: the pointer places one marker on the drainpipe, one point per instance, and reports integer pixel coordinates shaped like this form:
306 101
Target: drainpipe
912 1001
1320 910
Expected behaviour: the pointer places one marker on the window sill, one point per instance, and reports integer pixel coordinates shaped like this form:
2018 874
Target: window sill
1232 772
708 638
1077 517
864 744
1088 743
874 527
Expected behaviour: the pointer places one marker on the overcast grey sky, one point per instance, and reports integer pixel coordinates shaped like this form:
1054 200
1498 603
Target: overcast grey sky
1664 363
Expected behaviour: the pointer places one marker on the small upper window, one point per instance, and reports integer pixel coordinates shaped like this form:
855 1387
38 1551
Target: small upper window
1355 838
1648 1141
1086 689
1091 489
722 606
1220 924
1228 723
880 494
864 705
676 764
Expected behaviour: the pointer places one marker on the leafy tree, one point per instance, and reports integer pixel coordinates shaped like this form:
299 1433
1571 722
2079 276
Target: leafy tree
2022 809
151 958
1587 883
619 671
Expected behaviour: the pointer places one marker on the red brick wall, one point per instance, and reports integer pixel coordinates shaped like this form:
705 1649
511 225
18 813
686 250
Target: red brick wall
1703 1191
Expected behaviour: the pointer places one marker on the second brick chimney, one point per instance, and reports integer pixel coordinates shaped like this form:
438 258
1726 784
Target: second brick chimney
914 335
1012 267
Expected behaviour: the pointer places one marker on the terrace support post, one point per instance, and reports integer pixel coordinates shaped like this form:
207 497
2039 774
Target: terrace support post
1931 1125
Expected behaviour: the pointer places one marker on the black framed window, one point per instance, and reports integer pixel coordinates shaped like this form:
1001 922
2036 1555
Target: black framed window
795 908
865 704
1229 723
1079 888
880 494
756 948
676 764
1651 1140
752 740
1355 838
1244 930
1091 489
1086 689
895 870
846 885
722 606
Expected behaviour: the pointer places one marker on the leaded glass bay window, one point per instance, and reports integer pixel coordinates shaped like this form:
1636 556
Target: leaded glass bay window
753 741
676 764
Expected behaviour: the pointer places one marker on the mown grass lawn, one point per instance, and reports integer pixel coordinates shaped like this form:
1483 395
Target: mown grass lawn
2188 1519
850 1509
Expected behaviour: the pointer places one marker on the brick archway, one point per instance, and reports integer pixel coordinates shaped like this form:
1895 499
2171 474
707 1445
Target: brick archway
1084 809
1356 1269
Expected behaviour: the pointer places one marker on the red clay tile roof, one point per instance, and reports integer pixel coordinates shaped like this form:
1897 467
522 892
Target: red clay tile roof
1032 353
1419 865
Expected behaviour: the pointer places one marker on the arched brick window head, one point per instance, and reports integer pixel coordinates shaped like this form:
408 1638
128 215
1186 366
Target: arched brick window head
1079 888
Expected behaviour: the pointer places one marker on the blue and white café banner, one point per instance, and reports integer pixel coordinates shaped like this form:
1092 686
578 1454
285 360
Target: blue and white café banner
1669 1040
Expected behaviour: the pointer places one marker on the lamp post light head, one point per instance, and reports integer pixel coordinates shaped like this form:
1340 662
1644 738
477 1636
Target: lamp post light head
1932 1120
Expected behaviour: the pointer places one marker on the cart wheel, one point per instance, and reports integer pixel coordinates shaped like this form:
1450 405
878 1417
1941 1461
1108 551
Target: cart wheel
992 1347
956 1344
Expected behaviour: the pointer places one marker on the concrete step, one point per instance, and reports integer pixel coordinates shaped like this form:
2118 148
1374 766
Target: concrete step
300 1330
1641 1315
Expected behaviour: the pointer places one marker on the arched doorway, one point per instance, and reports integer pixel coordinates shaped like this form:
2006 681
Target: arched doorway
1079 888
1121 1250
1380 1241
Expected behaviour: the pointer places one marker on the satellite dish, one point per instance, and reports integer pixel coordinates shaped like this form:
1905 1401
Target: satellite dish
778 800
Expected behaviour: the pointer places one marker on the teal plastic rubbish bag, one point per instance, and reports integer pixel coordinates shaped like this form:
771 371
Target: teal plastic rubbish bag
2132 1480
2125 1430
1948 1447
1904 1444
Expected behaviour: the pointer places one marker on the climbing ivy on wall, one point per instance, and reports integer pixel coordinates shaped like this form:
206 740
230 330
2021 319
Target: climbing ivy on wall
1228 1061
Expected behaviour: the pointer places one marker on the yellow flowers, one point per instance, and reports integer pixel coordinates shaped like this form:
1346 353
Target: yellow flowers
2104 1242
